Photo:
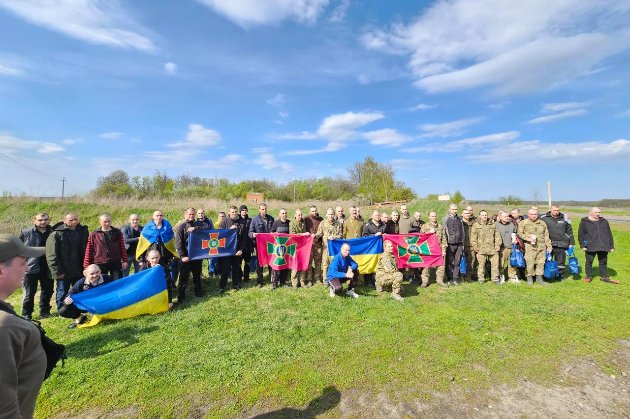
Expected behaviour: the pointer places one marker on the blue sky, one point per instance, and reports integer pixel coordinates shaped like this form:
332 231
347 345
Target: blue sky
487 96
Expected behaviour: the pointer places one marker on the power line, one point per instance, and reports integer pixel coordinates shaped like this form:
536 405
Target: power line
14 160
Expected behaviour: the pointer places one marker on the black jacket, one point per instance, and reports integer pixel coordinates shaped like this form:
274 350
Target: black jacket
131 237
32 237
370 229
560 230
181 235
65 250
259 225
595 236
249 243
241 233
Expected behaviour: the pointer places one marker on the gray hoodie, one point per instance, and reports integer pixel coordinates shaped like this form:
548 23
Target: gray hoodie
506 230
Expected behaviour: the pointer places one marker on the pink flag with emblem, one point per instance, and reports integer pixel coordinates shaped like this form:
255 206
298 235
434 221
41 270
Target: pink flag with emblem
284 251
416 250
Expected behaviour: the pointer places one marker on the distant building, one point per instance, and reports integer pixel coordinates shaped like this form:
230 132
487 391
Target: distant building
444 197
255 197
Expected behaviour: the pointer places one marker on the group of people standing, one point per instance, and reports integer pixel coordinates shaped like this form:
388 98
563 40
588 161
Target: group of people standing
485 241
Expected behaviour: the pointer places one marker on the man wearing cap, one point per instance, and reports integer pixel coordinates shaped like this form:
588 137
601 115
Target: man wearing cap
38 272
23 362
65 249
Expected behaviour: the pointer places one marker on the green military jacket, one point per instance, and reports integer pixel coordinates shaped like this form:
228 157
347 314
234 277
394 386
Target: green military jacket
297 227
328 231
467 226
386 264
352 228
485 238
538 228
439 232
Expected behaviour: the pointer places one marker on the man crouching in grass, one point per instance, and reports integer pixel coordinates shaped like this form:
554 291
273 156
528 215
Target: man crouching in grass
387 274
343 268
92 279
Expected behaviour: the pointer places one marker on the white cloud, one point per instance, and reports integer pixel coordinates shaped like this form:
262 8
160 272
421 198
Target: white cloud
499 106
71 141
624 114
223 162
469 143
386 137
12 145
448 129
94 21
461 44
339 13
278 100
268 161
563 106
283 114
421 107
342 127
7 69
198 136
170 68
537 151
557 117
250 13
112 135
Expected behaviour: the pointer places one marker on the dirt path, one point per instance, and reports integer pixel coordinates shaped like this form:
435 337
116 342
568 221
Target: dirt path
582 390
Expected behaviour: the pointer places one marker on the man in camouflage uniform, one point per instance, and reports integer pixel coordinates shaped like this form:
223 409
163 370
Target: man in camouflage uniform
329 229
312 223
468 221
299 227
387 275
352 227
434 227
534 233
485 241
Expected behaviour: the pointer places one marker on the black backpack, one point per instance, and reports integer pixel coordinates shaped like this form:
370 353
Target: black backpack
54 351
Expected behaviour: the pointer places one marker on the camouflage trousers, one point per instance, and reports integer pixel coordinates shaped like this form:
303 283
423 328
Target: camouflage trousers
390 279
535 261
315 264
494 266
439 274
504 263
325 263
299 277
470 262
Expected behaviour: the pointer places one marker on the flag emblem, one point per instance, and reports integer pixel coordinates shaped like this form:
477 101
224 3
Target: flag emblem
213 244
281 250
413 249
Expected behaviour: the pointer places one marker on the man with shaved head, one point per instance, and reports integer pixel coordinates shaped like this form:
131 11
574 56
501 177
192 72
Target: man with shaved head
65 249
131 234
596 239
106 248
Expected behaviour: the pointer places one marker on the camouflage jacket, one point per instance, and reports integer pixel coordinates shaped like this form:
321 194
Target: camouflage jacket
297 227
485 238
438 230
328 231
538 228
467 231
386 264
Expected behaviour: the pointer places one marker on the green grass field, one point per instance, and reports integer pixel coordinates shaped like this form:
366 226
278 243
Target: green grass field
254 348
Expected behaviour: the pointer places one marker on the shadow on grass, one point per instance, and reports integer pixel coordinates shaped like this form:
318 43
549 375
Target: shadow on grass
111 340
329 398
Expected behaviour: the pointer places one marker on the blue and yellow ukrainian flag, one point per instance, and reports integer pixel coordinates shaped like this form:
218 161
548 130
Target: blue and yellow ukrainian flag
151 234
141 293
364 251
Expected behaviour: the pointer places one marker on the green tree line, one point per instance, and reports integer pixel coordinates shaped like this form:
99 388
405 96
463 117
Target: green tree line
368 181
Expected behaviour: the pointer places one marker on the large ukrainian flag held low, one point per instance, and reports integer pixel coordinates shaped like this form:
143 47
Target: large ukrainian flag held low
205 244
151 234
141 293
364 251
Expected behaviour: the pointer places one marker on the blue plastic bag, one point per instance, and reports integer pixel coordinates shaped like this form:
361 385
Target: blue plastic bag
463 265
574 266
551 268
517 258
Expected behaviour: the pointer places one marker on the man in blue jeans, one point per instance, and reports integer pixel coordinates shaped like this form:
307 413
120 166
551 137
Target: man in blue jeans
343 268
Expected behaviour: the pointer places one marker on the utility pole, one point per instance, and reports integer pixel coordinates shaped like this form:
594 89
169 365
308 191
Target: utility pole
549 194
63 186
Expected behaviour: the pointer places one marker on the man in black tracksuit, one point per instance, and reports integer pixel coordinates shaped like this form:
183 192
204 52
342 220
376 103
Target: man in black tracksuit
561 235
596 239
456 237
232 264
249 243
260 224
182 232
38 271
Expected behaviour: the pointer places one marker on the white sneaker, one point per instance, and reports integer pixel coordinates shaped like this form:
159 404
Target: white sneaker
352 294
397 297
332 293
